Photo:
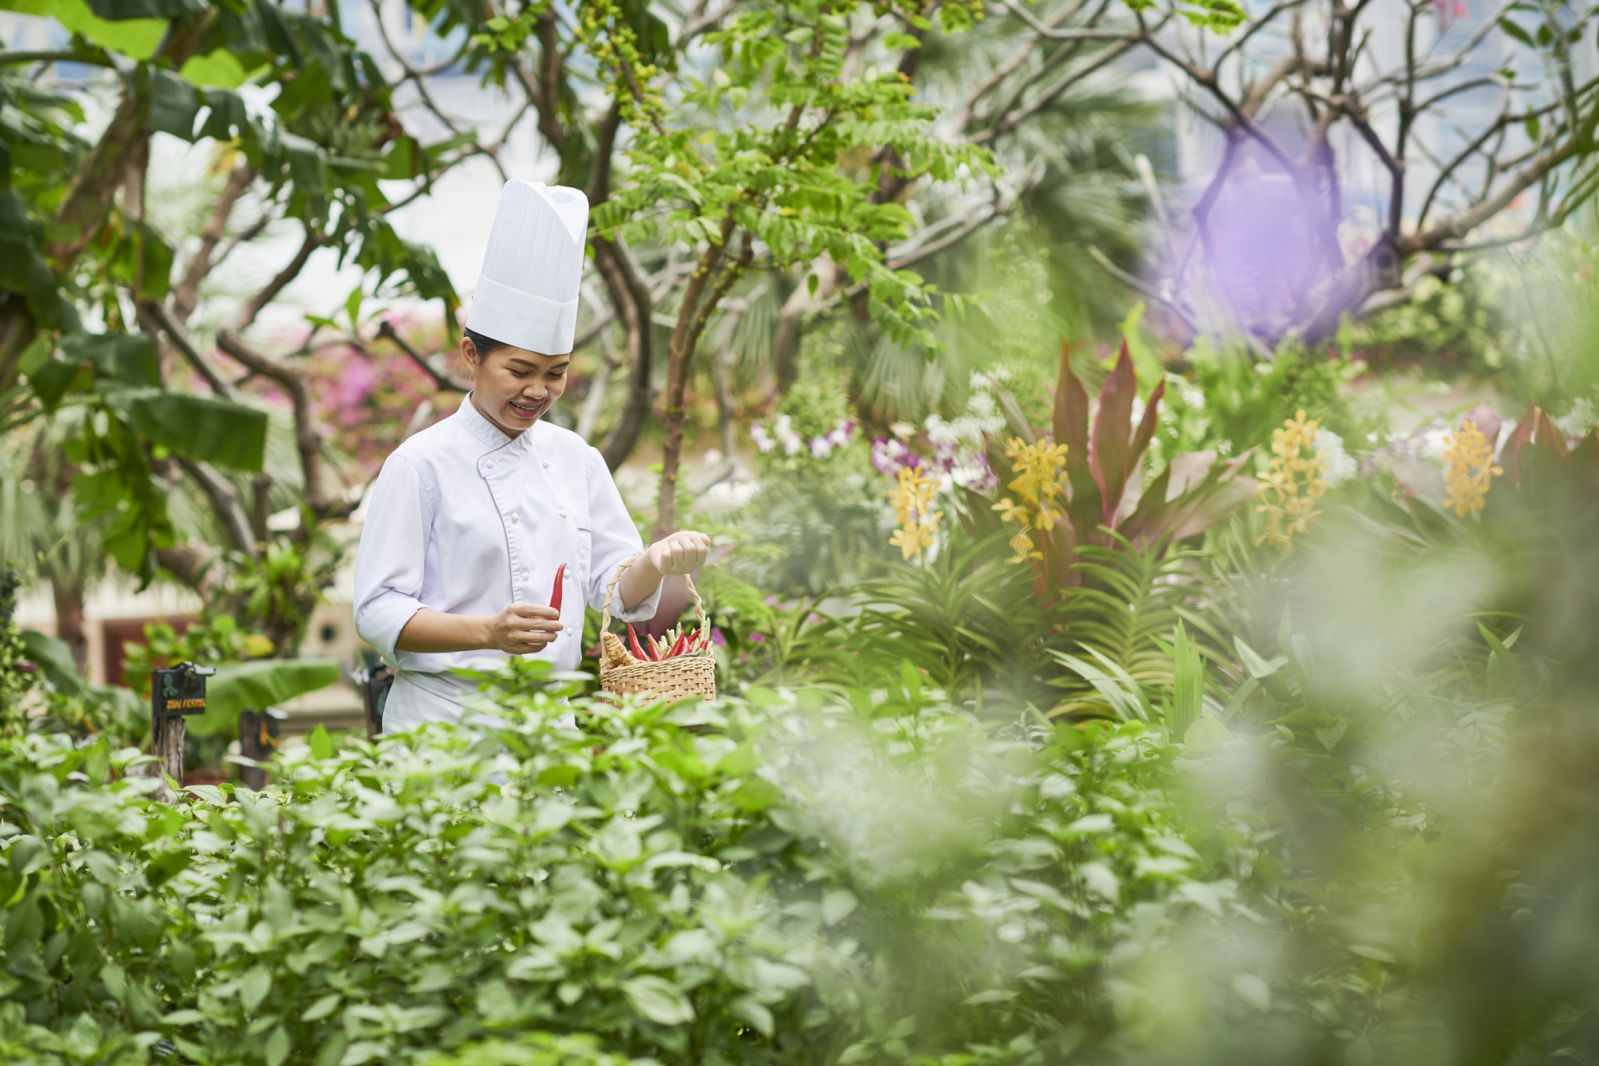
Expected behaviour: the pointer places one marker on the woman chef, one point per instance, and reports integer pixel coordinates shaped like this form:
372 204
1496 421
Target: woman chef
470 519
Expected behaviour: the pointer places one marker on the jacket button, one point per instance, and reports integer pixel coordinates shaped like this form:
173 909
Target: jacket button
526 576
563 514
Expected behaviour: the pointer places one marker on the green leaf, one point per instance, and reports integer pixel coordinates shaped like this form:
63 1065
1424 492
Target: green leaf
202 427
1206 732
322 1007
1514 30
321 743
836 906
55 660
124 357
118 10
219 69
277 1046
254 987
173 104
1188 683
51 381
1258 667
659 1000
1101 880
404 160
134 38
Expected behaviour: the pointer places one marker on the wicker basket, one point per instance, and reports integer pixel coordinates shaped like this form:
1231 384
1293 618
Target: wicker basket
677 678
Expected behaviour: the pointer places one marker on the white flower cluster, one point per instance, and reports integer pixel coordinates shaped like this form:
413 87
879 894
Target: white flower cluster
783 435
957 445
1581 420
1337 464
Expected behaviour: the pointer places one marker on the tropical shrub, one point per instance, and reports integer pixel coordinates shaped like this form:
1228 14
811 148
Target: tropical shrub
1093 462
797 886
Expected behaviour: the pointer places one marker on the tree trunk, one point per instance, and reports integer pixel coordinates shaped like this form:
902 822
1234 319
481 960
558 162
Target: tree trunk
679 353
692 314
67 590
785 349
634 304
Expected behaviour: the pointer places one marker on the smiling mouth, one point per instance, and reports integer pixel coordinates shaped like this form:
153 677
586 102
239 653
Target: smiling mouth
525 409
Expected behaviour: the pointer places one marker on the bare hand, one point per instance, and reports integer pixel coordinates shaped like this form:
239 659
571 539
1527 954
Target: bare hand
682 552
524 627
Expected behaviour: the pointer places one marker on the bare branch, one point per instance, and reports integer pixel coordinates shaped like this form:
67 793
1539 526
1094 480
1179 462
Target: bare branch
307 439
186 348
387 332
1052 32
186 293
224 502
284 278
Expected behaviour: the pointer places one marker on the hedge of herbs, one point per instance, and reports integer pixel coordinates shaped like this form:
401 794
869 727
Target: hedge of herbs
804 883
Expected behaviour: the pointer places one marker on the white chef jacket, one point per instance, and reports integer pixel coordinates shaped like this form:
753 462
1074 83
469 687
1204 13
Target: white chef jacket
468 520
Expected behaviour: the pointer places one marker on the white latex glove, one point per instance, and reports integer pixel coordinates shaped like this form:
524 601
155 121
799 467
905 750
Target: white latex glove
682 552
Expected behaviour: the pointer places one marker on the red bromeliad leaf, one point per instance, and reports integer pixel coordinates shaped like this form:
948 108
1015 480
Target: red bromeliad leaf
1146 426
1108 458
1188 497
1071 411
1534 449
1215 503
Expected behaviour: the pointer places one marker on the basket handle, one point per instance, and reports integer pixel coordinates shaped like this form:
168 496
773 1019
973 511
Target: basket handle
610 590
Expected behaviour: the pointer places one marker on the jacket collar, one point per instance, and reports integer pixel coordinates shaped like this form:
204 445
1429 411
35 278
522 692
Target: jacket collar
486 433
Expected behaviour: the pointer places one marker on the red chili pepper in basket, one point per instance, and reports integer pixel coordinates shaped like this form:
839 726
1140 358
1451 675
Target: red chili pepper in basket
632 639
560 584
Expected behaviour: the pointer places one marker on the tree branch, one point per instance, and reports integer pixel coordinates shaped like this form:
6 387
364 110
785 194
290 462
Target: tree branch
387 332
273 288
158 314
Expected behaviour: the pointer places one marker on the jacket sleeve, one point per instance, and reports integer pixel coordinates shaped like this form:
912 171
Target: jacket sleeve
616 539
389 562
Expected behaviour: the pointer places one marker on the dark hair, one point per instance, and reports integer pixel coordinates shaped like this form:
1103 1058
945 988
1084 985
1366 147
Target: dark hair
486 346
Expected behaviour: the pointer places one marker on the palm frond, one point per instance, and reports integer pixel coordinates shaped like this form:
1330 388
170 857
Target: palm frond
1123 617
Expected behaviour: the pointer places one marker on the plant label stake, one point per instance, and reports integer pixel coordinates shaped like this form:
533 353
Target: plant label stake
175 693
258 740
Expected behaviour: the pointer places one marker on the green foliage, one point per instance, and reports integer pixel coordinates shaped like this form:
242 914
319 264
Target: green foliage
796 179
1107 500
16 675
277 589
963 624
1232 402
1218 15
77 252
627 889
1117 625
833 508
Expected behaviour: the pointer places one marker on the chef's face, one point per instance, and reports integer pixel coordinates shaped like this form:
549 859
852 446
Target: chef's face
514 387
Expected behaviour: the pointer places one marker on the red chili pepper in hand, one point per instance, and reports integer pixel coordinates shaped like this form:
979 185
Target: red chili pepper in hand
560 584
632 639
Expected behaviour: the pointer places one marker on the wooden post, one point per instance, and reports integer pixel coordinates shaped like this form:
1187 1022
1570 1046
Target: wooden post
258 740
175 693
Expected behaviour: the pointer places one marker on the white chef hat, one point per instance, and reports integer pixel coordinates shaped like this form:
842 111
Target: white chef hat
527 293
